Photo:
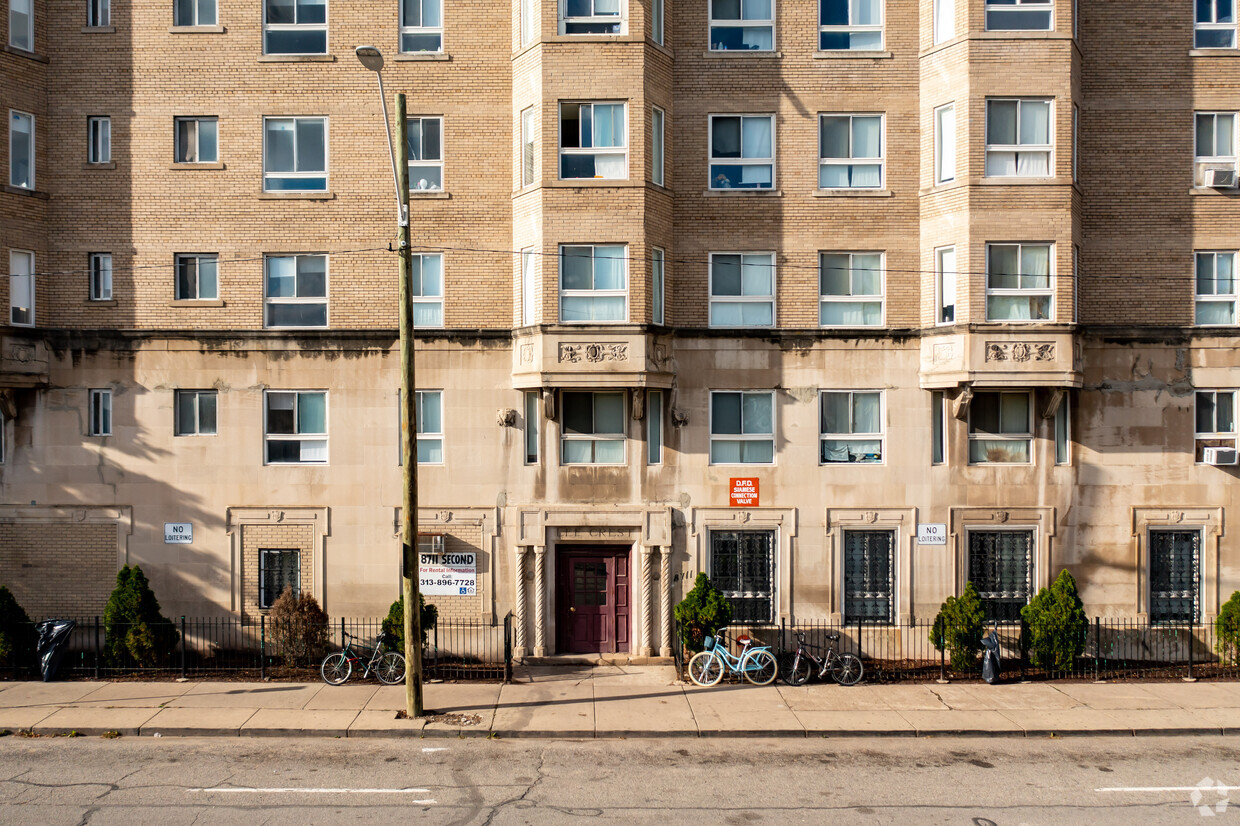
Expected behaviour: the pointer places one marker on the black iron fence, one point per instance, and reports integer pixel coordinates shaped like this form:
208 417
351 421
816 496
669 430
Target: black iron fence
1112 649
454 650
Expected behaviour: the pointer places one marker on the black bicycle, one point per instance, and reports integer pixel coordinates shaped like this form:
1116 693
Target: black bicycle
388 666
800 665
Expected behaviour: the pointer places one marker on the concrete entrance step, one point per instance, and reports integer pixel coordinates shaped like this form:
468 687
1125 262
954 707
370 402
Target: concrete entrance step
597 659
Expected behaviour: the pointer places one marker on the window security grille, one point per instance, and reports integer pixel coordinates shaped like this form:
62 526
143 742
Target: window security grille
277 570
1175 570
1001 568
742 565
868 566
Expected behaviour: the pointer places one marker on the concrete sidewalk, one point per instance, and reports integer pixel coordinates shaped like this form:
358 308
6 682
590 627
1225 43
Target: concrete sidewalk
620 701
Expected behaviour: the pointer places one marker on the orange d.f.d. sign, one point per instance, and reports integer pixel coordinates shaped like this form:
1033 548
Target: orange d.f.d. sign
743 493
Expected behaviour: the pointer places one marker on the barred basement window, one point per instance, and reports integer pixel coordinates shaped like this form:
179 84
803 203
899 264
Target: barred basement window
1001 568
742 566
277 569
869 565
1175 576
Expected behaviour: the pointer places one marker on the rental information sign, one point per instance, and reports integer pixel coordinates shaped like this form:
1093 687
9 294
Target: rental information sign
448 574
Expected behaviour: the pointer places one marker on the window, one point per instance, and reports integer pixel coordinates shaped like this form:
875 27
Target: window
194 13
742 152
656 148
426 292
529 20
742 24
99 145
851 427
531 427
869 576
593 141
98 13
3 428
197 140
1001 568
1076 151
21 288
21 150
742 289
1216 420
851 285
295 154
1018 282
938 427
654 427
21 25
593 428
1000 428
1063 432
944 20
656 21
527 146
295 27
742 566
742 428
197 277
593 283
855 25
591 17
296 427
945 291
1175 576
195 412
296 291
529 299
101 412
1018 15
277 570
1018 138
1216 143
421 25
945 144
425 138
1215 24
656 286
100 276
850 151
429 417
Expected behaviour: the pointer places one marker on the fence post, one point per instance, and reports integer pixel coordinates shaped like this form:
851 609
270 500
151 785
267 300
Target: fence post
182 646
508 647
262 646
942 658
1097 646
97 652
1190 650
859 638
779 647
342 631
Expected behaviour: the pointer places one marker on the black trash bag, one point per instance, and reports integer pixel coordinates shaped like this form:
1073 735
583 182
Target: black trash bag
991 665
53 640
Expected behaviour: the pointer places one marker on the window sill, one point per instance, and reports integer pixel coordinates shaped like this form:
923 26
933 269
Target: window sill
591 38
196 302
1214 52
418 56
98 30
1207 191
1016 180
38 58
186 167
852 193
297 58
297 196
423 195
196 30
105 165
741 193
100 302
1019 34
750 53
592 183
852 54
33 193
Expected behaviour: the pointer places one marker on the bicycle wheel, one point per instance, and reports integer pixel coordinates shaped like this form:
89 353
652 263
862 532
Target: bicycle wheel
336 668
796 669
760 667
391 668
705 669
847 669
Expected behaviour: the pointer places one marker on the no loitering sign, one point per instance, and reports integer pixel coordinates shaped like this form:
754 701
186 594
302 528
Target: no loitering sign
744 493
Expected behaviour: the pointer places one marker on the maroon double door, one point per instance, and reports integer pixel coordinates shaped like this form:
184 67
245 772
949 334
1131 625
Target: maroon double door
592 599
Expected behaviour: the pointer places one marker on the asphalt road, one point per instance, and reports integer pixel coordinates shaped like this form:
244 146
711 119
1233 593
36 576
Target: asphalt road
975 781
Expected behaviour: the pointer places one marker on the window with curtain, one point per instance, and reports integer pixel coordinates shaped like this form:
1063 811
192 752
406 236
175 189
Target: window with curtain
1215 24
100 276
742 289
21 25
197 277
295 154
850 151
421 26
1175 576
742 566
99 139
295 27
197 140
1018 282
742 428
593 429
1215 416
21 288
594 283
851 289
850 427
1018 15
1215 143
428 414
21 150
869 577
1018 138
194 13
850 25
425 139
1001 428
742 151
945 144
592 16
426 290
1216 287
1001 568
195 412
945 288
295 426
278 569
944 20
593 141
742 24
296 291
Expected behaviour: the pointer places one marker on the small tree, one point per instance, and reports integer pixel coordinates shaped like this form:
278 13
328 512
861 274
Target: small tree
136 633
298 626
958 628
394 622
17 634
1057 625
703 611
1227 630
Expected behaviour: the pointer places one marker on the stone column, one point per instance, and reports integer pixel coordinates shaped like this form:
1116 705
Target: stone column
665 588
540 600
519 613
647 640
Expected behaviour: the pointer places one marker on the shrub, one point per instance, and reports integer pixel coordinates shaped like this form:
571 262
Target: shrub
1227 630
298 627
136 633
704 610
17 634
958 628
1057 625
394 622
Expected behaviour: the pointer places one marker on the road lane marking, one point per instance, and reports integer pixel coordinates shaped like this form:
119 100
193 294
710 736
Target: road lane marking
424 751
291 790
1168 789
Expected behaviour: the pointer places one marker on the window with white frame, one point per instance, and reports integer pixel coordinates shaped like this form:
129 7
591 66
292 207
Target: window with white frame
594 283
295 427
944 20
21 149
742 289
1215 25
21 288
945 285
1018 138
657 119
529 298
1216 287
197 140
593 432
742 566
296 291
194 13
869 576
855 25
1175 576
742 427
529 20
1001 428
593 141
656 286
198 276
295 27
1018 15
21 25
938 427
531 427
592 16
1215 144
295 154
851 289
1018 282
429 418
1063 431
100 412
195 412
656 21
850 427
850 151
945 144
527 146
742 24
421 25
1215 415
427 289
3 438
654 427
425 139
99 139
279 569
100 276
742 151
98 13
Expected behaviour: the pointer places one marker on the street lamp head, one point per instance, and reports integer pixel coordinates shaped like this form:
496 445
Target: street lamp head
370 56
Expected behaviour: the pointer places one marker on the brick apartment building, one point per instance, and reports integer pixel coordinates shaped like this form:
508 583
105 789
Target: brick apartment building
844 302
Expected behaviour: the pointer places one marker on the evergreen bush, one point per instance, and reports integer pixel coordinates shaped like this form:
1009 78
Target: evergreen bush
136 634
703 611
1057 625
1227 630
394 622
299 627
17 635
958 628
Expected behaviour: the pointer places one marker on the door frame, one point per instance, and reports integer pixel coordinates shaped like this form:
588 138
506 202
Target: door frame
559 599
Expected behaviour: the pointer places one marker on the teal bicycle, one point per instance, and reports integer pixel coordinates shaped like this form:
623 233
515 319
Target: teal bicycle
755 663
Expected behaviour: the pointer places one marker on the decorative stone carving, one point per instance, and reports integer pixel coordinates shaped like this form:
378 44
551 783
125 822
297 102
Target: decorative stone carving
943 352
21 353
527 353
1176 516
443 516
1020 351
999 516
594 352
869 517
679 417
549 404
639 404
506 417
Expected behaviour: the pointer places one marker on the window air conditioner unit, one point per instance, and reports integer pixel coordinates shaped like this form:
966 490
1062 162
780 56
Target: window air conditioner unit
1220 455
1221 178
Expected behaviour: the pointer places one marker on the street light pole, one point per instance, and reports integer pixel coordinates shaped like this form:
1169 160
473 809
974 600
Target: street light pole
372 59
